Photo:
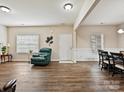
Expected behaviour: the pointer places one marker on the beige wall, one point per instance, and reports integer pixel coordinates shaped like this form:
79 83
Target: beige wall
3 34
43 32
82 35
121 37
121 40
109 32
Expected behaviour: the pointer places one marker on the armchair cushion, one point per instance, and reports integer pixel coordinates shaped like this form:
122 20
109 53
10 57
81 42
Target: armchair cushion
37 59
36 55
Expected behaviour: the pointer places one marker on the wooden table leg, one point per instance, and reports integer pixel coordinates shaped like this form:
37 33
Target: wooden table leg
4 57
1 58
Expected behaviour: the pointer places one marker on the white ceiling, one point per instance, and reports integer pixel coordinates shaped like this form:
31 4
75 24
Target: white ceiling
39 12
108 12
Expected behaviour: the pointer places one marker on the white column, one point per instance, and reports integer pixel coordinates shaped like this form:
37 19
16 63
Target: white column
74 46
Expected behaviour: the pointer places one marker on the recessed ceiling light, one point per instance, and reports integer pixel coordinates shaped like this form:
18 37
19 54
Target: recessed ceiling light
120 31
5 9
68 6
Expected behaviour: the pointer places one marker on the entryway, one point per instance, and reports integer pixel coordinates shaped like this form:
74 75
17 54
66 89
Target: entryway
65 48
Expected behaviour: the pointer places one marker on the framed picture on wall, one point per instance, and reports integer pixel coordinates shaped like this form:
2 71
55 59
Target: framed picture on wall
26 43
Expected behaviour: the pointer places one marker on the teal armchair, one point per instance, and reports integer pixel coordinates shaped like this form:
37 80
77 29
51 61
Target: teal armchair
43 57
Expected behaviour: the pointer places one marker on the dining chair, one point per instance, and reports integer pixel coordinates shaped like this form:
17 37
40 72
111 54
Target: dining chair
118 61
106 61
122 52
100 56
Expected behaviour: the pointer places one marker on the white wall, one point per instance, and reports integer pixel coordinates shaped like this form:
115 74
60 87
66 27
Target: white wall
3 34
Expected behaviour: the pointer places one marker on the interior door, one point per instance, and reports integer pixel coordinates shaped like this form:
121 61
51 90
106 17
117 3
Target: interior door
65 47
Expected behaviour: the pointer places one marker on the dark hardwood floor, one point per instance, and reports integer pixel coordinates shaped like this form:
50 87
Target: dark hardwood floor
83 76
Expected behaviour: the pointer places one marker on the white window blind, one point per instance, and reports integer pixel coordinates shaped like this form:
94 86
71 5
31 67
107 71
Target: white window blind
96 41
25 43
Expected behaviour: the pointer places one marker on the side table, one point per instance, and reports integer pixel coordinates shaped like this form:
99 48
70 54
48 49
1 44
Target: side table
4 56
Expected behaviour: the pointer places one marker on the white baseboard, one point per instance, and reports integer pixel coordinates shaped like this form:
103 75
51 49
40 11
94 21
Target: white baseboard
55 59
66 62
87 59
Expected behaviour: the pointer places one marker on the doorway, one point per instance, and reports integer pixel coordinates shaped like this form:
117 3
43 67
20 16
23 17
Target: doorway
65 48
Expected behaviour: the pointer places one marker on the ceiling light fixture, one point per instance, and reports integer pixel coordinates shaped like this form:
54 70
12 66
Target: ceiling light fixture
120 31
68 6
5 9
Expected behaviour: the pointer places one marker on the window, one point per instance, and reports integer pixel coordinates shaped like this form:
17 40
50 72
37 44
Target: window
25 43
96 41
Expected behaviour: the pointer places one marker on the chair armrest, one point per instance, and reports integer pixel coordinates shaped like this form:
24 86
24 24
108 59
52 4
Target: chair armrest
43 55
36 55
10 86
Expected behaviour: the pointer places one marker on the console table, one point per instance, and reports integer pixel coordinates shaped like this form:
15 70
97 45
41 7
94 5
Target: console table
6 56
